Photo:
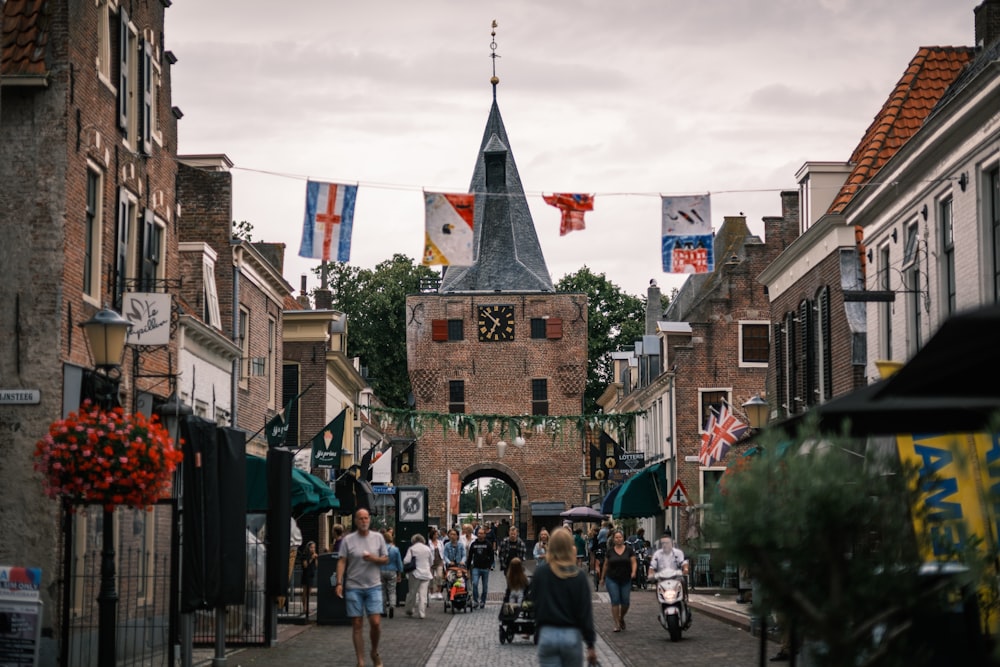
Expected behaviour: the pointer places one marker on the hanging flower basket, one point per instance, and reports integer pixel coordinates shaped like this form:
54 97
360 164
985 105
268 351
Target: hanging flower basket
107 457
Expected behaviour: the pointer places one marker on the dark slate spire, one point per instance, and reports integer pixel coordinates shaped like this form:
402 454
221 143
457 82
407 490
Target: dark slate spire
506 254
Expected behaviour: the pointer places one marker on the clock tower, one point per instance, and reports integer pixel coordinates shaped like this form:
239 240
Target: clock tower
496 343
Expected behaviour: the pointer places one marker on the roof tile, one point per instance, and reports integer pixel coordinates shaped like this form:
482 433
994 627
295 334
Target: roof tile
23 38
925 80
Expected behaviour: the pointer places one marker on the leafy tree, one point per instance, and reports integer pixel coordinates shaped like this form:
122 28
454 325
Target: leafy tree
243 230
496 493
375 303
615 319
828 535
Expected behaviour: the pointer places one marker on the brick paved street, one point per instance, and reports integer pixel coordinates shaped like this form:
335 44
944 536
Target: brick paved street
446 640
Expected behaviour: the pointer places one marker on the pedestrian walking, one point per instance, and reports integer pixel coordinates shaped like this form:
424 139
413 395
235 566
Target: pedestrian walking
392 574
511 547
479 561
617 575
541 546
359 582
564 613
581 547
419 558
310 559
437 562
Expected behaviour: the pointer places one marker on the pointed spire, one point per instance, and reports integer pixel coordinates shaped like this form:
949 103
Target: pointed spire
494 80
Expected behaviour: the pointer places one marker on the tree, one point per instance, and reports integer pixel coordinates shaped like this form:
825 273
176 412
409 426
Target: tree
828 535
615 319
375 303
243 230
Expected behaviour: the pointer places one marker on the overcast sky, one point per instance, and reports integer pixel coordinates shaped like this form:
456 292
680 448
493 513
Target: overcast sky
627 100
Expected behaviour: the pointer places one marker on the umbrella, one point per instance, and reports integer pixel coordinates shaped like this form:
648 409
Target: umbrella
582 513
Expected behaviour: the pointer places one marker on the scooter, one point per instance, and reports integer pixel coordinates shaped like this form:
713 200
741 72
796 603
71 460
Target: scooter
675 615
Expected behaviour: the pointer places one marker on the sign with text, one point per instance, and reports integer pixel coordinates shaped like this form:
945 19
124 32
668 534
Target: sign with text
149 314
20 396
20 582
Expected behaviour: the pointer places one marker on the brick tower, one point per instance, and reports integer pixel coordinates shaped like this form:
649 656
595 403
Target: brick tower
495 339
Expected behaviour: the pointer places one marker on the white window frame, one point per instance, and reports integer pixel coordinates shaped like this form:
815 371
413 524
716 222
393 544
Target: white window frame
753 364
161 230
127 225
130 53
711 390
105 9
272 353
945 209
93 296
212 313
883 277
244 343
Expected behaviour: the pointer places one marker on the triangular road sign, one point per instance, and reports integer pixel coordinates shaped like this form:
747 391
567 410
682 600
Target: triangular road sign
678 496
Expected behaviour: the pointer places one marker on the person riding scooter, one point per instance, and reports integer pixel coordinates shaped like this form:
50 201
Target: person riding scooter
669 556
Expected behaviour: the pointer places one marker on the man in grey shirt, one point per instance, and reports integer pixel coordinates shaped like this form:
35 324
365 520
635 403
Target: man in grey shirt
362 553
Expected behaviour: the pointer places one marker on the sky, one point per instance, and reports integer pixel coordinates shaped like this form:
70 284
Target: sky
626 100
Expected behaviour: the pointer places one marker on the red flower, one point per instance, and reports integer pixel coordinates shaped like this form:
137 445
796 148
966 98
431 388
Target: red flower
122 460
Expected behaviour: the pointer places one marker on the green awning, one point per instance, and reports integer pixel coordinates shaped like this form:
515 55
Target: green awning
310 494
643 493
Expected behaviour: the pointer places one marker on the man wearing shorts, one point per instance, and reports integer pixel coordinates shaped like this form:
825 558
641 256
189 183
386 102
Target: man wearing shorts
359 582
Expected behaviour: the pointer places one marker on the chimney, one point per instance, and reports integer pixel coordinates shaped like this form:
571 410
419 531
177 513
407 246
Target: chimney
654 309
303 297
987 22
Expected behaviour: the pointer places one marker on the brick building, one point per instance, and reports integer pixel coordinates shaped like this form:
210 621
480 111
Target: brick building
495 339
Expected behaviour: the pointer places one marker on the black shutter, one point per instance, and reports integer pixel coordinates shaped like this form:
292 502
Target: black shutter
827 343
146 117
780 368
124 61
808 327
289 390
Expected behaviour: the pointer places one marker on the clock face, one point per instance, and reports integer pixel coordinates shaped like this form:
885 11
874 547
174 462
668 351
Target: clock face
496 322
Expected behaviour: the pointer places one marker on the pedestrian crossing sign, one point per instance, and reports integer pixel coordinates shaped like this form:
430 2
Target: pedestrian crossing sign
678 496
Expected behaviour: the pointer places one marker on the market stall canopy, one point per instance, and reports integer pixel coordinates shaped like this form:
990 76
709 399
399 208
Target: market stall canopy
310 494
608 504
949 386
643 493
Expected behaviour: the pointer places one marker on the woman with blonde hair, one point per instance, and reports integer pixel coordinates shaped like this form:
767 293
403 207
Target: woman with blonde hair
564 613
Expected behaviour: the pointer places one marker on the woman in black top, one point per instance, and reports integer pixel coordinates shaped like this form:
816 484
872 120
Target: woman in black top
563 611
309 561
617 575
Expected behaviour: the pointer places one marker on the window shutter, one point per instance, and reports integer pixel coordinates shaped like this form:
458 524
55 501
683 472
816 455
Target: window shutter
121 244
150 251
553 328
779 366
147 97
808 337
439 330
827 343
124 60
792 372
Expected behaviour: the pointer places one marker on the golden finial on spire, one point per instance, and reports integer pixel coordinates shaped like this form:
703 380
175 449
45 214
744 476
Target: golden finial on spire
493 47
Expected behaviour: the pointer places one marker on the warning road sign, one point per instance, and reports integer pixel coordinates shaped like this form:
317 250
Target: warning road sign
678 496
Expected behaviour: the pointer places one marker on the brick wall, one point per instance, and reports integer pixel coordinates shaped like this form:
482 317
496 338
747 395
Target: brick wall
497 378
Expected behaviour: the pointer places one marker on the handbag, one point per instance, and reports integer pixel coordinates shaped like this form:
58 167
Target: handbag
410 566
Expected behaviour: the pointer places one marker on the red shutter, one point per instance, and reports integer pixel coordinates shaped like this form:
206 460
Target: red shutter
553 327
439 329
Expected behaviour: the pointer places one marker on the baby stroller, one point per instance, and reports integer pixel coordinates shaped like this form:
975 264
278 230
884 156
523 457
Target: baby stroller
517 619
456 594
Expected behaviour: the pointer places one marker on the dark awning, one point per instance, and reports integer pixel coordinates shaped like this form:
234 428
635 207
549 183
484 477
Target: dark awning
310 494
608 504
643 493
545 508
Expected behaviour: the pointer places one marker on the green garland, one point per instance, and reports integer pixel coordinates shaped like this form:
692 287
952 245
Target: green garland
472 425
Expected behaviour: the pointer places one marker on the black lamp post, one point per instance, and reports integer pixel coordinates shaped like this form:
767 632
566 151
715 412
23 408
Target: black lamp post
106 333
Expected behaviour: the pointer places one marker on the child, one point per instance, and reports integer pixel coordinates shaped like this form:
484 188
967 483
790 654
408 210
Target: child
516 595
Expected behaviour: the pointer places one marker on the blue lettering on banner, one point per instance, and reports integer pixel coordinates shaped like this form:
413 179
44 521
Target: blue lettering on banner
945 539
993 493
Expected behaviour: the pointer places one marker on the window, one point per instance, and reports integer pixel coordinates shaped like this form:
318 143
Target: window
151 262
455 330
128 74
92 234
456 396
781 369
211 311
537 327
885 308
539 396
806 384
791 397
104 42
272 353
947 255
711 400
447 330
754 343
992 200
824 346
125 232
911 284
147 116
244 334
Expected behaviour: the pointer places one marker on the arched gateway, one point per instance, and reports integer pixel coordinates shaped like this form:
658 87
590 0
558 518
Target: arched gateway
492 342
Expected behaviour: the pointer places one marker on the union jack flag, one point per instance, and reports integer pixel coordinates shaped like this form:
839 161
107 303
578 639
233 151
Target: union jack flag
726 432
705 453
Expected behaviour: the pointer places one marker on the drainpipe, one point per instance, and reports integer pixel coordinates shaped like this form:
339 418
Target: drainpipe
672 442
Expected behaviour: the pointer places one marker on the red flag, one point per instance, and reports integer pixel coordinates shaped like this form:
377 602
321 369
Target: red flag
573 206
727 432
705 453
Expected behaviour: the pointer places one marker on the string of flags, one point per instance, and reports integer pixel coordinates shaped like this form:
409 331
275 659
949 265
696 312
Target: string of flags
686 237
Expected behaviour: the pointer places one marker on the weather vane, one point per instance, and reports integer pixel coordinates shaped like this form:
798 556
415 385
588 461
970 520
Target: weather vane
493 47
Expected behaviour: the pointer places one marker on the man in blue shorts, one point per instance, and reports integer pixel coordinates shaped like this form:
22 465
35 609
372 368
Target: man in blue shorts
362 553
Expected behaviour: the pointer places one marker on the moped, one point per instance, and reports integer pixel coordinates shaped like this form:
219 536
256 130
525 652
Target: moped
675 614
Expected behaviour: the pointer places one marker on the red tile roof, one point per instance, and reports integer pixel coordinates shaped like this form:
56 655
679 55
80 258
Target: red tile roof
23 36
928 76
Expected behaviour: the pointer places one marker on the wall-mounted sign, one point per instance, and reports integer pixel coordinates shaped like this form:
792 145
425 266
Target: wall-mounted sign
20 396
149 314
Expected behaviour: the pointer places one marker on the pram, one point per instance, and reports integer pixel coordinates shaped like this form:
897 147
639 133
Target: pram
456 594
517 619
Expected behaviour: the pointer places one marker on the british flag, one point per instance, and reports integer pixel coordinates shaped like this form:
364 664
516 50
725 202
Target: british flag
705 453
727 431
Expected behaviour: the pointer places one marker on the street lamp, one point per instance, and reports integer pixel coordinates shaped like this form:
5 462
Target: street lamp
757 411
106 334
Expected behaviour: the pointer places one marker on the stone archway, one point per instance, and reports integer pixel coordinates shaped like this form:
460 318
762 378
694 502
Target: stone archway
510 477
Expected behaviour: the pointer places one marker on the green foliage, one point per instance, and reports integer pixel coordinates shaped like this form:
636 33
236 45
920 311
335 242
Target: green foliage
615 320
828 535
242 230
375 303
495 494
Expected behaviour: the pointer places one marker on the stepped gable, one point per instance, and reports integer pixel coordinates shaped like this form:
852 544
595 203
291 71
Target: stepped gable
506 254
929 74
23 38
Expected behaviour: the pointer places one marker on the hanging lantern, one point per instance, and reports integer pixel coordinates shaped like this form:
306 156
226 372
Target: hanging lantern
501 449
519 441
